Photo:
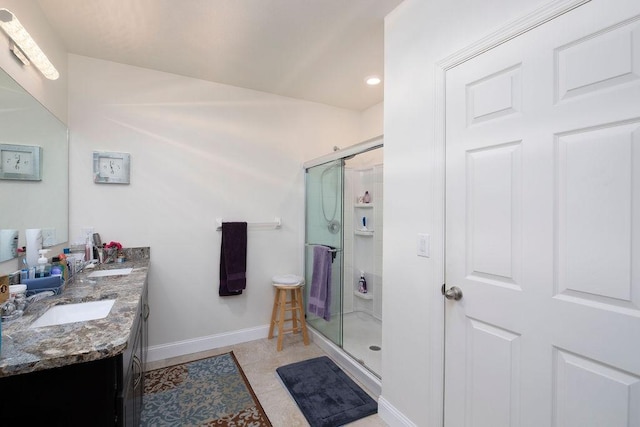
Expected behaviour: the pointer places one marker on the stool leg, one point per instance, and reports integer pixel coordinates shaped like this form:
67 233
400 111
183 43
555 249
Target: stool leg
303 322
274 313
283 303
294 311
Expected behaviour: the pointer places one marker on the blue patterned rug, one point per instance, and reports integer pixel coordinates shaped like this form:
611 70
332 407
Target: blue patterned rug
207 392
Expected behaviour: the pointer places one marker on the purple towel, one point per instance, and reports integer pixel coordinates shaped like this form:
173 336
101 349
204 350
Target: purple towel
320 292
233 258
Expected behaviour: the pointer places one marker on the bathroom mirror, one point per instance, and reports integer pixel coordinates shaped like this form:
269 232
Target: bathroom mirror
33 203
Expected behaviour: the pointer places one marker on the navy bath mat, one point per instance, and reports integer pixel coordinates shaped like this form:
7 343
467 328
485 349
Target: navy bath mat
325 394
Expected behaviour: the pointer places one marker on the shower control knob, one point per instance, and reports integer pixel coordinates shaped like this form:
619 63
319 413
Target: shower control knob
454 293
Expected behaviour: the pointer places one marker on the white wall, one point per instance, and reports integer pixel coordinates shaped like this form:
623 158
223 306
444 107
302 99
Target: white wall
51 93
371 122
199 150
418 34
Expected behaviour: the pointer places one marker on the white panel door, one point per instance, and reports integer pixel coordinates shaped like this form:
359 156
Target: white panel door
543 226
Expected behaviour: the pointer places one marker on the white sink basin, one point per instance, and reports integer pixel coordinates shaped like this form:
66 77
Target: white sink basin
114 272
69 313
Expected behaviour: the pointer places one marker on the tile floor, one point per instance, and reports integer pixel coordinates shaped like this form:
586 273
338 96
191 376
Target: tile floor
259 360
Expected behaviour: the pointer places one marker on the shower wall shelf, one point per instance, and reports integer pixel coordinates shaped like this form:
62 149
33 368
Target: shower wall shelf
364 232
363 205
275 224
363 296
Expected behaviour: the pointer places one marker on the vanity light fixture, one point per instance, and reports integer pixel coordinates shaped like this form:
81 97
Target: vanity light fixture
373 80
19 54
26 45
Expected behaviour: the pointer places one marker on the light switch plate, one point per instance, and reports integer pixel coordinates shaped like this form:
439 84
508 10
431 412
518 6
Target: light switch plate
424 243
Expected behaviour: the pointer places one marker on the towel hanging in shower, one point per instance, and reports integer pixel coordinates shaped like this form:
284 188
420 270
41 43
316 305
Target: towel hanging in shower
320 292
233 258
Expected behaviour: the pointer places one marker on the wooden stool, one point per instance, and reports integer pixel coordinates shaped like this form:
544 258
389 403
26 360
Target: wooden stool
292 284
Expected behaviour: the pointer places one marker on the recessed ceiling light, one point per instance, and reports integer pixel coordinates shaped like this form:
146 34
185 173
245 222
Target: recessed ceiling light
373 80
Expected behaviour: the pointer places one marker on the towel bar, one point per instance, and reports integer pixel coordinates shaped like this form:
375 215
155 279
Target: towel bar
277 223
318 244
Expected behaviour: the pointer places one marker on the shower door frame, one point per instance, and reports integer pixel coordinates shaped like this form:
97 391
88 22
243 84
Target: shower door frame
339 155
368 145
332 329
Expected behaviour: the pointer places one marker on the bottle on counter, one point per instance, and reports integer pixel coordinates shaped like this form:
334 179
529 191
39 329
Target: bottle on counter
88 251
59 267
56 268
101 254
43 269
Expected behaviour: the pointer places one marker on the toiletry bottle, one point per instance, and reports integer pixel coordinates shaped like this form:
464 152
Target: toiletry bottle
24 275
64 266
88 251
367 197
43 269
362 283
57 267
34 244
68 259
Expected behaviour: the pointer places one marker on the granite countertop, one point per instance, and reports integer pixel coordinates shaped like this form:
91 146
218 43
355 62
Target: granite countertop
27 350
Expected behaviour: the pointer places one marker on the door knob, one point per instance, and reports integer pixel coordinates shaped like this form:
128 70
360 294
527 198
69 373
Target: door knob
454 293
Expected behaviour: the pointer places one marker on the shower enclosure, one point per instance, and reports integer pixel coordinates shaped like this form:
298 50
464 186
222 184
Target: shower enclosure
339 216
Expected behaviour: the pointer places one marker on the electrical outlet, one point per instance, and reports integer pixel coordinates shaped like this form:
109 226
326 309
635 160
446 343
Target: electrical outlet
424 243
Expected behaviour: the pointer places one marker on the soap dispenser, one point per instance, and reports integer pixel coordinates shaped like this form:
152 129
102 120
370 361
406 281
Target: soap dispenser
43 269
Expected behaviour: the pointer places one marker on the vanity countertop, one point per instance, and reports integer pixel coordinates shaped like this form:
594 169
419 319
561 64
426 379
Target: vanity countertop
27 350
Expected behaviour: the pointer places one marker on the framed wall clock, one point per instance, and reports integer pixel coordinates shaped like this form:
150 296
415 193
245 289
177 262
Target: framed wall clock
111 168
23 162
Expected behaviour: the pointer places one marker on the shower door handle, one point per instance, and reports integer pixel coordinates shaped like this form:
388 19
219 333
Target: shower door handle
453 293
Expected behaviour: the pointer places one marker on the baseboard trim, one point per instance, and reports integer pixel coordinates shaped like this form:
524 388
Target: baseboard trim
181 348
391 415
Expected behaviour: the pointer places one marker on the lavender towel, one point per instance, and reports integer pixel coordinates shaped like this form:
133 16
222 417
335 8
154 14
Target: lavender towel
233 258
320 292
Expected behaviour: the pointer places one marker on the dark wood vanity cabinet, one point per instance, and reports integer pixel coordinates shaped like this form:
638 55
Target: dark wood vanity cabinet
133 362
81 394
104 392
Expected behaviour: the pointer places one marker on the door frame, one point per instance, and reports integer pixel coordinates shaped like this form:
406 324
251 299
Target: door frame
510 31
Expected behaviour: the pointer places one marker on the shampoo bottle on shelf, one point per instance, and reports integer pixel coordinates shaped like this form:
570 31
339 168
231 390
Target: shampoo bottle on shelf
362 283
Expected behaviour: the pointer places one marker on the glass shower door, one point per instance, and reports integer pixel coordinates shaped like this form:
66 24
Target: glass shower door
324 226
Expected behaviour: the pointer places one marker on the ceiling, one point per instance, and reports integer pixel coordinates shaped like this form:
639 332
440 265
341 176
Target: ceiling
317 50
